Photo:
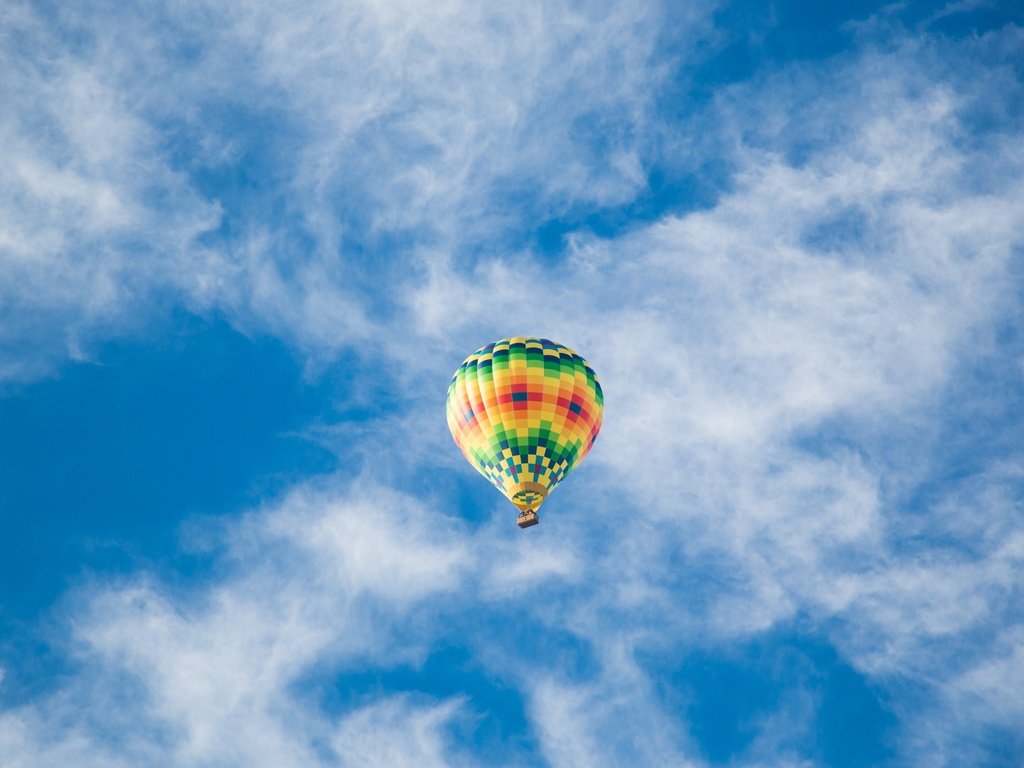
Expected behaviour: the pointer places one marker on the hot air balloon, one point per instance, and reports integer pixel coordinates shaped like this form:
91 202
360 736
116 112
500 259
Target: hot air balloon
525 412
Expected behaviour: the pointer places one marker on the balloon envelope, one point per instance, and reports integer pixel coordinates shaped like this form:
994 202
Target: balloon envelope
525 412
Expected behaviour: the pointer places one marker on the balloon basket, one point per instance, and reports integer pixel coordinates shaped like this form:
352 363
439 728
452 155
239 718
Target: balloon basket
527 518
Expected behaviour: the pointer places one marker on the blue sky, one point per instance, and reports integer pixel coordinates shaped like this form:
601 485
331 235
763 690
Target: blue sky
243 248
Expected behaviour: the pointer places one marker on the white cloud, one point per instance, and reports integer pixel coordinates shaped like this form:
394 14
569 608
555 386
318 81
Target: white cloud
774 370
606 724
832 290
94 218
355 128
209 678
393 732
993 684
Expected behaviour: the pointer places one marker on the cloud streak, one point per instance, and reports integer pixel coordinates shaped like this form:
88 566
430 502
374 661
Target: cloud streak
782 368
356 129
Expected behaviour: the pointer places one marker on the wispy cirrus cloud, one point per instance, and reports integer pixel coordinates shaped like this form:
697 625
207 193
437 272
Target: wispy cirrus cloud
779 370
282 164
94 220
207 678
780 367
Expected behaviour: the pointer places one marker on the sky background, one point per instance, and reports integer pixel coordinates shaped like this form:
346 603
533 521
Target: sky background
243 247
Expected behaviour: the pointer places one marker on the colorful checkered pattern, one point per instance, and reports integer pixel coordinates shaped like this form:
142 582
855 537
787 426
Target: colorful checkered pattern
525 412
